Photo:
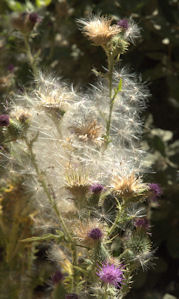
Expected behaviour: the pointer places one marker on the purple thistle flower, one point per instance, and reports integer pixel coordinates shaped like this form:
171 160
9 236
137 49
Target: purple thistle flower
124 24
4 120
95 234
109 273
96 188
141 223
71 296
155 190
10 67
34 17
57 277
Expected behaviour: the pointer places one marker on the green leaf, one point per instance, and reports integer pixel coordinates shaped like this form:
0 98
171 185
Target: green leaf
15 5
41 3
118 89
168 296
44 237
120 85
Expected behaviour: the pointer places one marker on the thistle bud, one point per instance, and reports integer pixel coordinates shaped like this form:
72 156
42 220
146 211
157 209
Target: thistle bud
123 23
26 22
4 120
96 188
57 277
155 191
15 129
141 223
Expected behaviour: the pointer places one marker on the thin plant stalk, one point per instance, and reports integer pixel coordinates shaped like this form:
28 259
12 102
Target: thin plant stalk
31 59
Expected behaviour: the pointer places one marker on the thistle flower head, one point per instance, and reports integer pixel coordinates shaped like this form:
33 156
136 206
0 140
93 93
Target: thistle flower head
109 273
99 29
57 277
140 247
90 131
96 188
123 23
95 234
11 67
4 120
90 232
53 95
129 186
141 222
25 22
77 182
154 190
34 18
21 114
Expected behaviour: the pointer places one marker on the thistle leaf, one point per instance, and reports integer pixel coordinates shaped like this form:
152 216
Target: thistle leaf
44 237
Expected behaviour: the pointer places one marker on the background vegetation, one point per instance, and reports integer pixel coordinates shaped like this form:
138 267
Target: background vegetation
62 50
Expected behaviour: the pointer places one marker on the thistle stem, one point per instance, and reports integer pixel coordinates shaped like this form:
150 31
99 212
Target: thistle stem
30 57
118 216
46 190
54 206
111 101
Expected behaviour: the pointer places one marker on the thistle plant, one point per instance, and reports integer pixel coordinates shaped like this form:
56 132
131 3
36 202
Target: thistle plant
83 167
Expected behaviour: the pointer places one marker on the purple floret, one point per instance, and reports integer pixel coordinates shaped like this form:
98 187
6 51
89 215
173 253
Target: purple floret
4 120
10 67
111 274
95 234
124 24
142 223
57 277
96 188
34 17
156 191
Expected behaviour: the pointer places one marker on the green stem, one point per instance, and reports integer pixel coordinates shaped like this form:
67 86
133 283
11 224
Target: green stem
74 263
111 98
105 295
53 204
29 55
118 216
46 190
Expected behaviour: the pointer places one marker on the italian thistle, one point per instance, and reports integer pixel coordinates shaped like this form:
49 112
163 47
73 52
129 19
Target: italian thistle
83 167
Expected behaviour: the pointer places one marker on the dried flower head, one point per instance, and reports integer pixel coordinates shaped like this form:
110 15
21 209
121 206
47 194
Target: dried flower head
53 95
128 187
4 120
109 273
21 114
77 182
89 131
99 29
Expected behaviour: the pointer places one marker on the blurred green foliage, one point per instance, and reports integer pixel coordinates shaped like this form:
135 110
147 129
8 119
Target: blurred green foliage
63 51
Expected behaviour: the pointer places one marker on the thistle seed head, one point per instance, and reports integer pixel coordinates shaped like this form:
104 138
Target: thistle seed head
128 187
99 30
